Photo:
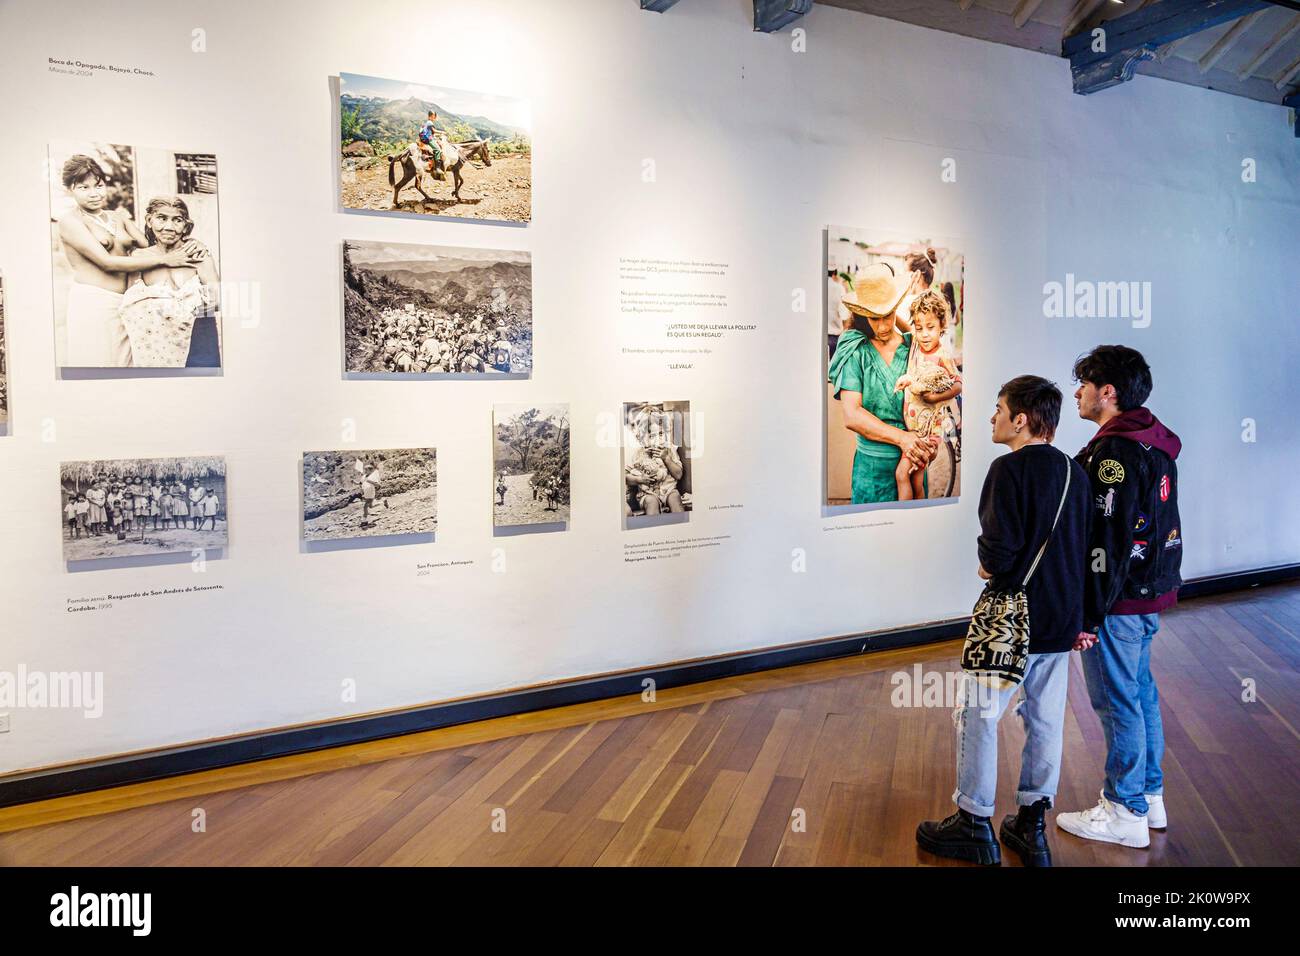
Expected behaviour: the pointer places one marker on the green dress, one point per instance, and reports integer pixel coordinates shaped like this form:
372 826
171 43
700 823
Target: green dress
858 367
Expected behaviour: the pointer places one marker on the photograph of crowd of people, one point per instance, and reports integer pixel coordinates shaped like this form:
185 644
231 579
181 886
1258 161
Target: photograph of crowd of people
432 150
358 494
414 309
894 324
135 249
135 506
656 455
530 464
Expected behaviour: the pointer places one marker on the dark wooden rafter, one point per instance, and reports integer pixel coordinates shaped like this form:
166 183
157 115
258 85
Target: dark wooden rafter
773 15
656 6
1293 101
1137 36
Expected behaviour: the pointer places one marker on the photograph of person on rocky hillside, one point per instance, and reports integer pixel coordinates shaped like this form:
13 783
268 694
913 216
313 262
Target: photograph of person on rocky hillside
357 494
432 150
436 310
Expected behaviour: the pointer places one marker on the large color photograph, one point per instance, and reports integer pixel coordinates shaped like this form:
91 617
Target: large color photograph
432 150
359 494
142 506
894 324
136 256
530 464
412 309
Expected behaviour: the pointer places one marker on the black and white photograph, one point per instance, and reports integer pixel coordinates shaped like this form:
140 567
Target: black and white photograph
142 506
530 464
414 309
656 460
368 493
135 247
433 150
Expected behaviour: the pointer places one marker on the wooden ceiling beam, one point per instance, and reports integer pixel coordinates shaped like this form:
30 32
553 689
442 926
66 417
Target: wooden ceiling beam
1280 39
1226 42
656 6
1288 74
1137 36
1024 10
773 15
965 4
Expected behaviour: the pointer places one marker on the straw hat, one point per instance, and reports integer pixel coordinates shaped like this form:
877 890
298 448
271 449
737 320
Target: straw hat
877 290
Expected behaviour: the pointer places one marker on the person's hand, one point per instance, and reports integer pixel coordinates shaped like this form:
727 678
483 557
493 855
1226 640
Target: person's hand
175 258
919 449
932 398
1084 641
196 250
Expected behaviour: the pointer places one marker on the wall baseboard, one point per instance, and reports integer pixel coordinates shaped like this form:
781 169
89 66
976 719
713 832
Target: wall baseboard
170 762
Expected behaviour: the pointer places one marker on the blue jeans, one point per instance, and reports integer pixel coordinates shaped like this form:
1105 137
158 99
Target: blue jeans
1041 708
1124 695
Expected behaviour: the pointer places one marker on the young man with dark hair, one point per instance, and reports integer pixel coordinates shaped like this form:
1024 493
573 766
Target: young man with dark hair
1026 509
1135 548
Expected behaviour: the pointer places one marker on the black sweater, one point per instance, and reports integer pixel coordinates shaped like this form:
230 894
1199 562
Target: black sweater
1019 501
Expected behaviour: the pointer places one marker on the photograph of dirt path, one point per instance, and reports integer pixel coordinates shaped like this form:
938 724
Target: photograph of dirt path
530 456
355 494
432 150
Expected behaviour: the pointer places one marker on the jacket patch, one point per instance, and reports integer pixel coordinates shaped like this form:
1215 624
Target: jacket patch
1141 523
1173 540
1138 551
1164 487
1110 472
1106 503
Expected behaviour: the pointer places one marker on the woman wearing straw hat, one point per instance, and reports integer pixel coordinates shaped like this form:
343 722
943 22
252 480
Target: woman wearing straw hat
869 358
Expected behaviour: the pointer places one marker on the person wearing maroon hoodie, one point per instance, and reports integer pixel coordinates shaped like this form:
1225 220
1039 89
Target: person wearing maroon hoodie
1135 548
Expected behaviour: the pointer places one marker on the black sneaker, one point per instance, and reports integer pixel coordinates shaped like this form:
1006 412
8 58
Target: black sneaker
963 836
1026 833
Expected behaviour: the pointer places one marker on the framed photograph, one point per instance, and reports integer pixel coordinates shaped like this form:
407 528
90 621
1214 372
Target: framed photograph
413 309
656 459
530 464
136 249
432 150
894 330
360 494
142 506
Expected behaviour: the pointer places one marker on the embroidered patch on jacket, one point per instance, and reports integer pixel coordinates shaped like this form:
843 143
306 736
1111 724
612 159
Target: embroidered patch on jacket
1139 551
1141 523
1164 487
1173 540
1110 471
1106 503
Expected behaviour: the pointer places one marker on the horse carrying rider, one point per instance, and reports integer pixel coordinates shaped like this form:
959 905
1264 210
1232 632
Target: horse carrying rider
429 143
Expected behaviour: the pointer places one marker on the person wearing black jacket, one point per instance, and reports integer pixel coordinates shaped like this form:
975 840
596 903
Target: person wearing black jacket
1022 494
1135 552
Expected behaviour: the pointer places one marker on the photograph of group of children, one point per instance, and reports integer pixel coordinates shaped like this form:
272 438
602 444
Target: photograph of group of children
894 332
656 453
127 507
135 249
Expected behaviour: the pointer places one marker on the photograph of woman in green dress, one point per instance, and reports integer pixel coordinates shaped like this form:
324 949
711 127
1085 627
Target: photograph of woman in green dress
894 377
870 357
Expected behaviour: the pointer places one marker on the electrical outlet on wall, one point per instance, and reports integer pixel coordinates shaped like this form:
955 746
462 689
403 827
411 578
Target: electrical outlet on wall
4 723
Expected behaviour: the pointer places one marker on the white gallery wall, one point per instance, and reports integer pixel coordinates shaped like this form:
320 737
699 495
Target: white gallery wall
755 148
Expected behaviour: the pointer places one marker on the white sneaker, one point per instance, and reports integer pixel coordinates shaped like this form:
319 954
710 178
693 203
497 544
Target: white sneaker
1156 818
1108 823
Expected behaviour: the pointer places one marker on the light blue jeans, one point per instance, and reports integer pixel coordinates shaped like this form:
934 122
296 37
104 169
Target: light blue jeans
1124 695
1041 708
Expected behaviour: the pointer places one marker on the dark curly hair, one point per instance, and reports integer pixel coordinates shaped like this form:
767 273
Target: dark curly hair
79 167
1120 366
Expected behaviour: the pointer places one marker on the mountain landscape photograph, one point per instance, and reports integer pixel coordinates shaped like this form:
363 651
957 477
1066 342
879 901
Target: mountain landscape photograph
414 309
484 145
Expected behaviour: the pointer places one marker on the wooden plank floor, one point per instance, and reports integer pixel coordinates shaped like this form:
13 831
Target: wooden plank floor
807 765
